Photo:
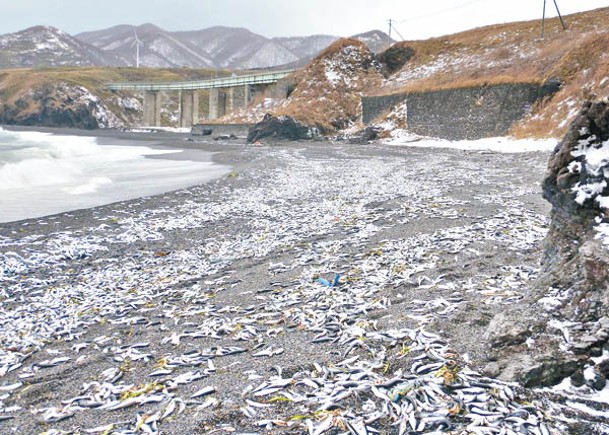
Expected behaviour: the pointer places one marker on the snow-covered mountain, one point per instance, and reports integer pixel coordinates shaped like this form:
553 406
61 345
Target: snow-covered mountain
220 47
215 47
48 46
376 40
159 48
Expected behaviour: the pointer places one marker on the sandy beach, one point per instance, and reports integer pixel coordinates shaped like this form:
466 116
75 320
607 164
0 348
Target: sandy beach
314 288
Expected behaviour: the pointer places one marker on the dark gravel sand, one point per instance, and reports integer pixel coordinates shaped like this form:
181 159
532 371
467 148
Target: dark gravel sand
429 243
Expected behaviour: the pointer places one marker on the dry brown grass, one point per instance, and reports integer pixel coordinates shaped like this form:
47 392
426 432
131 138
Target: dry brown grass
16 82
317 101
516 53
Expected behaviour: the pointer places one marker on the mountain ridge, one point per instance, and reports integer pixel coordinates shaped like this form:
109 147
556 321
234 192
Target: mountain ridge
214 47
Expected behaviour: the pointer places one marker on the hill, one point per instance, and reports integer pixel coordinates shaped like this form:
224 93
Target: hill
215 47
76 97
577 59
159 49
327 90
512 53
47 46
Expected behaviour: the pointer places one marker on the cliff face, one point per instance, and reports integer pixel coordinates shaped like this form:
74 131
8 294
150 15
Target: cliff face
58 106
69 105
564 320
577 186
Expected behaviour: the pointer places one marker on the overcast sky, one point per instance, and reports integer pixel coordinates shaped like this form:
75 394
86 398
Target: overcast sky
413 19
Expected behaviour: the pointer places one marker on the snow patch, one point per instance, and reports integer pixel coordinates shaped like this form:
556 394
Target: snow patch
495 144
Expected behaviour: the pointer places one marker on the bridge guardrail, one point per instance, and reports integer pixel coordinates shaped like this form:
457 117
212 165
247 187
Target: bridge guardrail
224 82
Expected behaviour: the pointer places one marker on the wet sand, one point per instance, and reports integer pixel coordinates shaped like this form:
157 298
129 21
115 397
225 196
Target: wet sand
218 287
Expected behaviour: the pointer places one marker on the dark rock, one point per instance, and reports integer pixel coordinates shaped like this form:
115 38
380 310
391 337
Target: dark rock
226 137
602 335
548 371
575 184
595 351
395 57
492 369
366 135
580 348
575 260
199 130
587 132
603 368
550 87
577 378
280 128
598 382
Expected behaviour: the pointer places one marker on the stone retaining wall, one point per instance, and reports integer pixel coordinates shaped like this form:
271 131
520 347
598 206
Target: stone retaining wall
465 113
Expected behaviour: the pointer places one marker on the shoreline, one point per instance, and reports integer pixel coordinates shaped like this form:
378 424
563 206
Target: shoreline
208 301
177 148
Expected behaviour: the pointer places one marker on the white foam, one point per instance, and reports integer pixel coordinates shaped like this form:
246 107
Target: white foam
42 174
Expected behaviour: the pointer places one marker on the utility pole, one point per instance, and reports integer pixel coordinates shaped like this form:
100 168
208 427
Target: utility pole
390 24
543 18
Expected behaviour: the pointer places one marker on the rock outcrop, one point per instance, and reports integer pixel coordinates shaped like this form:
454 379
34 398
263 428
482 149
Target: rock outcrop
59 105
280 128
327 92
577 186
565 319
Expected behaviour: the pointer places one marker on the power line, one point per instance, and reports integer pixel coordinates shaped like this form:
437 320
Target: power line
392 27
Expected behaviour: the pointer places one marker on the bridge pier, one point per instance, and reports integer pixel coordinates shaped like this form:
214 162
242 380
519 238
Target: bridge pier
189 108
216 103
152 108
225 94
227 100
247 95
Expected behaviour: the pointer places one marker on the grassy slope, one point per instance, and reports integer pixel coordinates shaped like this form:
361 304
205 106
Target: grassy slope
329 89
515 52
326 92
505 53
18 83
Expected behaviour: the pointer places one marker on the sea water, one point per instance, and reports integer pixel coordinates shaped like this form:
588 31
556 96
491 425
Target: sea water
43 174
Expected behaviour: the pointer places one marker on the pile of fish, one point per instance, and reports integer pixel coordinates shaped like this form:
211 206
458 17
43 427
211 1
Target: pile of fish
157 298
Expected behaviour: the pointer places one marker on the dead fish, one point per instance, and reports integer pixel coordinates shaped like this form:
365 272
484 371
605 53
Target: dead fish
53 415
11 387
160 372
203 392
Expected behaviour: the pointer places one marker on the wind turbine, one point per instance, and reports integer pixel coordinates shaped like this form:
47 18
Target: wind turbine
137 44
543 18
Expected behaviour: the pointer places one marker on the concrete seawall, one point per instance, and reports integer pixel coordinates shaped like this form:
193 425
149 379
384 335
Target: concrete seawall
465 113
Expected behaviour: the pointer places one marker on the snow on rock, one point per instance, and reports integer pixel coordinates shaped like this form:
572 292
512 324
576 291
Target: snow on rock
566 312
341 68
81 97
327 92
127 103
60 105
592 160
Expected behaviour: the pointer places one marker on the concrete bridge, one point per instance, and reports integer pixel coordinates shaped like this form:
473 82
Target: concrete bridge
225 94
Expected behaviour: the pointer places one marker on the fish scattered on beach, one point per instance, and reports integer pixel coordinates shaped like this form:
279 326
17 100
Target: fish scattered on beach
336 274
